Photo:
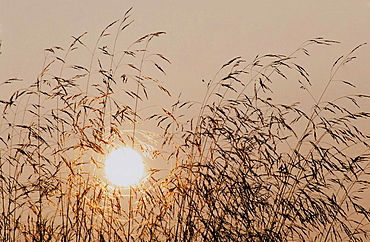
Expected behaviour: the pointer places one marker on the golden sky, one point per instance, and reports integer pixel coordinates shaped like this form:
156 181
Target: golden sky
201 35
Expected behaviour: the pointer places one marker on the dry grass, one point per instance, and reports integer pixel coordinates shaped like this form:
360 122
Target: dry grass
243 169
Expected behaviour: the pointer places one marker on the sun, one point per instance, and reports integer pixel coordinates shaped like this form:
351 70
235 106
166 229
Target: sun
124 167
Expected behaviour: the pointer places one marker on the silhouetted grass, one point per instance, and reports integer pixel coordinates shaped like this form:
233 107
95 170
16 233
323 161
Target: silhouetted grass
243 168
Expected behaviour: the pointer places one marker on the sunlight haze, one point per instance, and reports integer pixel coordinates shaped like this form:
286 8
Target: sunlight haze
248 120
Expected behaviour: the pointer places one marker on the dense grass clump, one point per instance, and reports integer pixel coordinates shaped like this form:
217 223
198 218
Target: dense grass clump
241 167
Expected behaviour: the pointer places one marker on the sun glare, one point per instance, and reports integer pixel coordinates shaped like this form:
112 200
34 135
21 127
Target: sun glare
124 167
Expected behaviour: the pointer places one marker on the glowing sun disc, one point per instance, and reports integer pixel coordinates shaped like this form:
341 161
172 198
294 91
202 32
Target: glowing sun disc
124 167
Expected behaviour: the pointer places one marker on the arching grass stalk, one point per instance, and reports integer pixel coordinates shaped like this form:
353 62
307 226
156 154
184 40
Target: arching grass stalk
244 169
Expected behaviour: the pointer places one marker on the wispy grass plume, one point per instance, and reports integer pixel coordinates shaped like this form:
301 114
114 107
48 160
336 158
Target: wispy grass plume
241 166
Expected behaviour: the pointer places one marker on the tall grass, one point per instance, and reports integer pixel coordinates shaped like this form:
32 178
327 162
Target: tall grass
243 168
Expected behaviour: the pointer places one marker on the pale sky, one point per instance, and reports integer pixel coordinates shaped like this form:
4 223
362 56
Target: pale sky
201 35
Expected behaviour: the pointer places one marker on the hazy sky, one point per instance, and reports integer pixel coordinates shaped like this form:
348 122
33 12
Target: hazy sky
201 35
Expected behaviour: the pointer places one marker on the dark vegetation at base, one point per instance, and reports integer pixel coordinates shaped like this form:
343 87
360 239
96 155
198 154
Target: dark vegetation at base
244 169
